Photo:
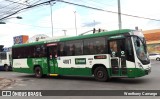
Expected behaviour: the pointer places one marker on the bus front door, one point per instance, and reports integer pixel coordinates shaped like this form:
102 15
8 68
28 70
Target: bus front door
51 58
118 57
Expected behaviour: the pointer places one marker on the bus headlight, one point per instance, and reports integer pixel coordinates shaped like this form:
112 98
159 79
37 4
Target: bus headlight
139 64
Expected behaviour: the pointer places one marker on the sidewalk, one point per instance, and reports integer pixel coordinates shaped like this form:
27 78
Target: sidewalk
5 82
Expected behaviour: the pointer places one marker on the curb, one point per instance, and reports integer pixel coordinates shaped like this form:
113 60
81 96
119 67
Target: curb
5 82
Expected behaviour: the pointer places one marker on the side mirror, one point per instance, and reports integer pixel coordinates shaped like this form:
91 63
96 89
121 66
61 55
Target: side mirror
138 43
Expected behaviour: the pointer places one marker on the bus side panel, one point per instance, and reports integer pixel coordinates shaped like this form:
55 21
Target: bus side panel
42 62
130 69
133 71
22 70
79 65
20 65
76 71
1 67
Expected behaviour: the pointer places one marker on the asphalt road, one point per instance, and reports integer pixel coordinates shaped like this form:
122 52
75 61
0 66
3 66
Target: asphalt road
29 82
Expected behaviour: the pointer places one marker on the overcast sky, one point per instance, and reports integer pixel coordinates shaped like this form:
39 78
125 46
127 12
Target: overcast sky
38 20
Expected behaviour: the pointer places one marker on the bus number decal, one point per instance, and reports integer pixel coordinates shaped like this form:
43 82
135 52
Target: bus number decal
67 61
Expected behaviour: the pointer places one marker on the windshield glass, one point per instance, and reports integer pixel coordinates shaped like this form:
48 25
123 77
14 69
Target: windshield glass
140 47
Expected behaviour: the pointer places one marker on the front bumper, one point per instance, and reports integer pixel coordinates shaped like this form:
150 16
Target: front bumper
147 71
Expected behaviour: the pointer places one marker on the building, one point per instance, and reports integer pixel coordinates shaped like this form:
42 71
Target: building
153 40
21 39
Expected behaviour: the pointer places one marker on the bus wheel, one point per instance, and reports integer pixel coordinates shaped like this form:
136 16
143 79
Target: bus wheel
158 59
6 67
100 74
38 72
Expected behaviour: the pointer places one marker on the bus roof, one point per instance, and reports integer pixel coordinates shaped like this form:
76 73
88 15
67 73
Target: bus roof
114 32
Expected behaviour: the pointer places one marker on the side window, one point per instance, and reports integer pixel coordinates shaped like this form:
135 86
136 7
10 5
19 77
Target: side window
70 48
74 47
30 51
17 53
20 52
129 49
89 47
14 53
39 51
61 49
100 45
113 46
43 51
79 47
3 55
94 46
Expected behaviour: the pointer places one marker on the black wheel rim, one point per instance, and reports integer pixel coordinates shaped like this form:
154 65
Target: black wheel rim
6 68
100 74
38 72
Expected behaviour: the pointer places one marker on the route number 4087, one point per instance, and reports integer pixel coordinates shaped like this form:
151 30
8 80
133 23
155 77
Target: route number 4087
67 61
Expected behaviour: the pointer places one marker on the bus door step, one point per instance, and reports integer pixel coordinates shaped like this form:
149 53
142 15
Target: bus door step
119 76
53 74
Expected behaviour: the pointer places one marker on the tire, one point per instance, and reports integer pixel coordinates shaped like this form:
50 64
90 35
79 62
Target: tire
158 59
100 74
38 72
6 68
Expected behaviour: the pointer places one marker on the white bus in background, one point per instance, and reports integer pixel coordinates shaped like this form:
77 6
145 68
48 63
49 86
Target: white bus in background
5 61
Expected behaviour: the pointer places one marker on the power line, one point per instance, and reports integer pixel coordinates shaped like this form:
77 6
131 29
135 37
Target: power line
18 2
25 4
100 2
10 8
20 6
7 5
94 8
36 26
85 6
104 4
31 6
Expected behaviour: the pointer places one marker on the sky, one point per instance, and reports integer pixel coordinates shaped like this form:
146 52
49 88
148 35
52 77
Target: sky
38 20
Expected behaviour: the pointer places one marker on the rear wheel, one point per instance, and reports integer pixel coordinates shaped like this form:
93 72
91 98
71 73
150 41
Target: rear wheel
6 68
158 59
38 72
100 74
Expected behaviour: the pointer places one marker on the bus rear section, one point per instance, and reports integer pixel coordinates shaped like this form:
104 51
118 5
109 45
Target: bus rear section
5 61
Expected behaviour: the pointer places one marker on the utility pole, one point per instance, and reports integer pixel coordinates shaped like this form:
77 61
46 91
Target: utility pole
119 15
75 22
64 32
51 17
94 23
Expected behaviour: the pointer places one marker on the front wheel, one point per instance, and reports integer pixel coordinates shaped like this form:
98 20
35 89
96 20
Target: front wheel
6 68
38 72
158 59
100 74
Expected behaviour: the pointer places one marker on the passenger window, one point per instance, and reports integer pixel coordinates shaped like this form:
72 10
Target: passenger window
61 49
74 47
94 46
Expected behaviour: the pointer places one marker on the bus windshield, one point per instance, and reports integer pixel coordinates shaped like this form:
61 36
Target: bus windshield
141 50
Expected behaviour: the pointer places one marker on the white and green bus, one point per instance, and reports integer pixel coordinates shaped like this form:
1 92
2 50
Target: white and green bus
104 55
